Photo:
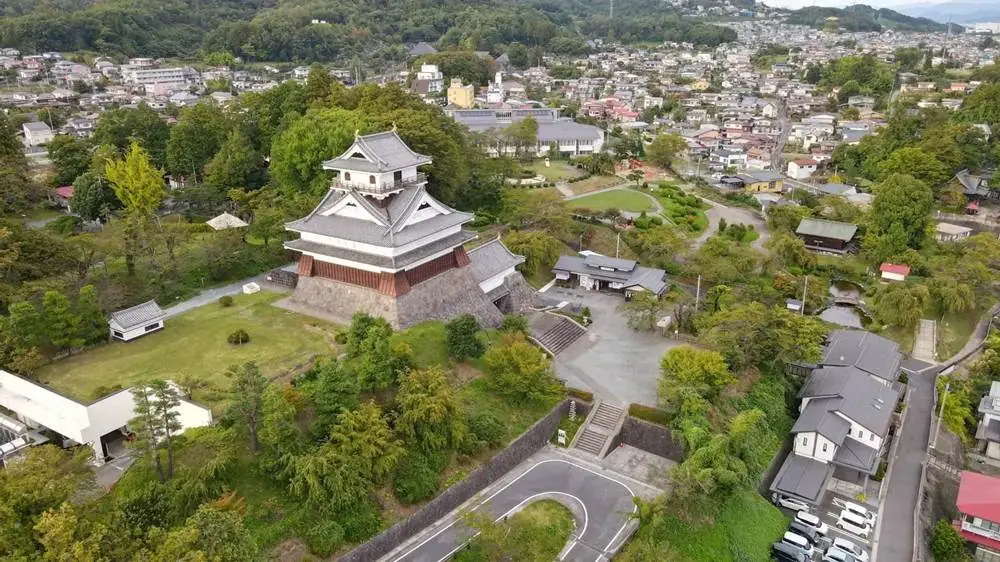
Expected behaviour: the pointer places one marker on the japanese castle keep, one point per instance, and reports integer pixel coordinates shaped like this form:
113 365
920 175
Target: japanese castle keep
379 243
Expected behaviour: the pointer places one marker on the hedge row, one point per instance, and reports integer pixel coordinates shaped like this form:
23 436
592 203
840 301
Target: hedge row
584 395
649 414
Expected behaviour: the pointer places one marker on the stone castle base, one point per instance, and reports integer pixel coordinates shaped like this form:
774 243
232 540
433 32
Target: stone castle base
442 297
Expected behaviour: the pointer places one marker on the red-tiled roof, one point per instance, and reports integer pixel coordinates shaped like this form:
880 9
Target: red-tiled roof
66 191
806 162
979 496
896 268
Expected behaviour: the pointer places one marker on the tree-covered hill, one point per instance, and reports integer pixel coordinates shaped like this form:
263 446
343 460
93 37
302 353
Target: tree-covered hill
861 17
284 30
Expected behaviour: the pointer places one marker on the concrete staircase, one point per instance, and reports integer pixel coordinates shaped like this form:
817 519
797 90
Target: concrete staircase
603 422
560 334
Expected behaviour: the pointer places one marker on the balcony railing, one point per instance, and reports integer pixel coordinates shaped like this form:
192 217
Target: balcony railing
384 187
981 531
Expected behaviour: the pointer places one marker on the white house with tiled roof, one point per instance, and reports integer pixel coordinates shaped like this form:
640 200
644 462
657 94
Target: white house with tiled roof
135 322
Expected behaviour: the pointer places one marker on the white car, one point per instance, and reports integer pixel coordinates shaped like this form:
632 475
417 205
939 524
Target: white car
789 503
811 520
860 511
799 542
853 523
850 548
837 555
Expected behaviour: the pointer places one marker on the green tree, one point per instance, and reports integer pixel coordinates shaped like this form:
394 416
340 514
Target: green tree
165 403
70 156
138 184
430 416
540 250
247 404
236 165
67 538
635 176
17 191
42 479
195 139
91 325
62 324
278 430
905 201
901 305
337 390
536 210
93 199
463 338
124 127
951 296
211 535
786 217
523 136
685 368
643 310
757 335
298 151
519 371
319 84
364 436
268 224
787 250
665 149
917 163
946 544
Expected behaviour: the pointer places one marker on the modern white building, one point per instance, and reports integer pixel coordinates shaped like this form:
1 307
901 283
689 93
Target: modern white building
433 77
802 168
143 76
947 232
101 425
37 133
569 137
135 322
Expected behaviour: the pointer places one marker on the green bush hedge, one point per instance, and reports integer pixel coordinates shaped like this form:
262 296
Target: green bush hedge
584 395
324 538
649 414
416 480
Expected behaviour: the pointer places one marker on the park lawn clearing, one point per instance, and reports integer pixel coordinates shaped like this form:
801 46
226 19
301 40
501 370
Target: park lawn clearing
954 330
194 344
594 183
621 199
557 171
427 341
741 529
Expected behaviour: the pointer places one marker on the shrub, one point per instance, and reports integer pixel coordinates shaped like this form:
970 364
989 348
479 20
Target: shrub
649 414
226 301
514 323
324 538
239 337
946 544
463 338
584 395
903 378
361 522
102 391
487 429
415 480
64 226
340 338
883 467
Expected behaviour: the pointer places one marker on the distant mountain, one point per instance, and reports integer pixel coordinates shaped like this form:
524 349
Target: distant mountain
965 11
861 17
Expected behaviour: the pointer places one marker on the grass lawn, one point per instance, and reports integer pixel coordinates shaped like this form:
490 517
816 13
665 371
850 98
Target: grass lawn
194 344
954 330
621 199
540 532
556 171
475 397
740 530
594 183
903 336
429 342
605 241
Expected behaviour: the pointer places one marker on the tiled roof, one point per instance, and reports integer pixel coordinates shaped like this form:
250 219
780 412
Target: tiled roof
490 259
383 152
137 315
826 229
979 496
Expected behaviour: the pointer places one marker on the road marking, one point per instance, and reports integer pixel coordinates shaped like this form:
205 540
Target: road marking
494 494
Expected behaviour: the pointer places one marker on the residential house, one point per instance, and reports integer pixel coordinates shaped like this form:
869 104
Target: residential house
840 434
947 232
595 272
37 133
762 182
429 80
978 522
988 430
838 189
973 187
802 169
729 157
861 102
63 197
877 357
459 95
825 235
137 321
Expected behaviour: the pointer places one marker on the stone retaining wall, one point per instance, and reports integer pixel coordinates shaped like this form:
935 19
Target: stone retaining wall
520 449
649 437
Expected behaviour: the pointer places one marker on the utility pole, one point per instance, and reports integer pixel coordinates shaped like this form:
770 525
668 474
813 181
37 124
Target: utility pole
618 242
937 427
805 289
697 295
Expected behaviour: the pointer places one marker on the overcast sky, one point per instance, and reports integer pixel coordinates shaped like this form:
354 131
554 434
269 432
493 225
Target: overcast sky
841 3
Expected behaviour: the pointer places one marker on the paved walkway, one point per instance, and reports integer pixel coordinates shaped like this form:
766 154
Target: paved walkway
925 344
210 296
733 215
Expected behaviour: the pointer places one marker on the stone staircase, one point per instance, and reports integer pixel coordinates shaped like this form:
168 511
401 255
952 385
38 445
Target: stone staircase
560 334
603 423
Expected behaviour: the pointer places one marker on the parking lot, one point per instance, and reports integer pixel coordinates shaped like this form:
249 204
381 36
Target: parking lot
829 512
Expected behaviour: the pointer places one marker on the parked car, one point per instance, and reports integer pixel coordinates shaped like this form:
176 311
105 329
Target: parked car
784 552
790 503
805 531
853 523
850 548
811 520
861 511
800 542
837 555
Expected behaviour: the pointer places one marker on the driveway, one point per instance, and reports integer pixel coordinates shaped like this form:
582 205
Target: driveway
733 215
600 504
210 296
895 533
614 361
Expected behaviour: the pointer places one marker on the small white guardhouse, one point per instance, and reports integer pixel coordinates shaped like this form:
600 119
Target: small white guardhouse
135 322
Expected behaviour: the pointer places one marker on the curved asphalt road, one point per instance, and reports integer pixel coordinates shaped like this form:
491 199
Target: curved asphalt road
603 502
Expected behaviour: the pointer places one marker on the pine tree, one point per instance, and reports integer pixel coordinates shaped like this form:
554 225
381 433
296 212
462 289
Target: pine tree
166 401
146 425
248 398
60 322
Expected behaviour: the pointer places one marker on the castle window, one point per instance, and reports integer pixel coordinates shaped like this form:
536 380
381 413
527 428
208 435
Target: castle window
347 176
371 180
424 206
